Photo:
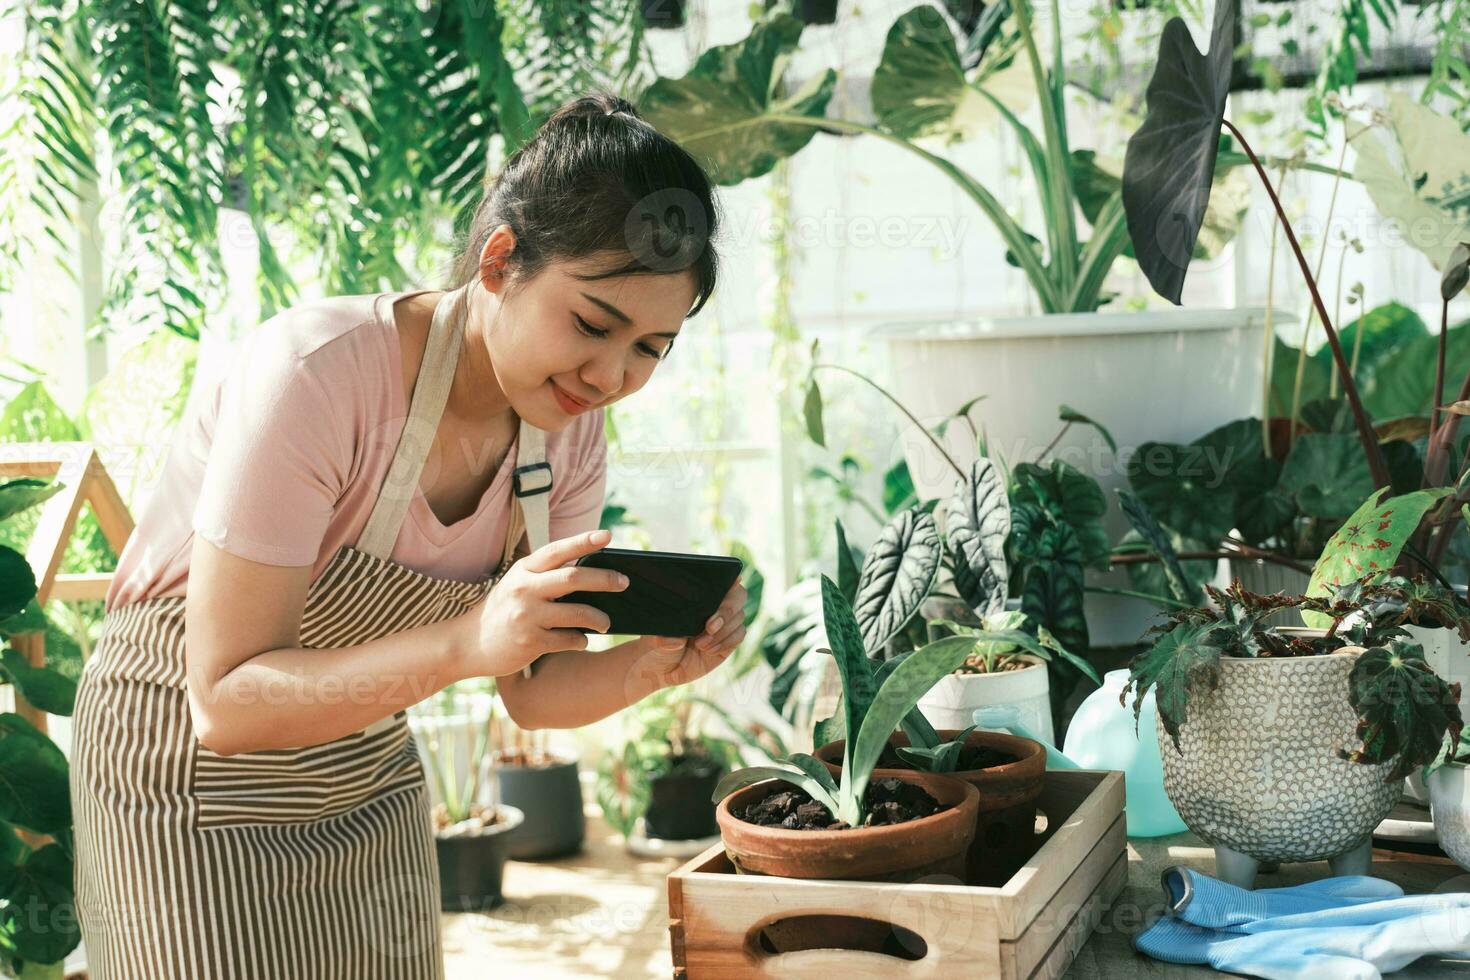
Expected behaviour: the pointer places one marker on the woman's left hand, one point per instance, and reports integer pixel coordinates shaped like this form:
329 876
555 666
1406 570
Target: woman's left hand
679 660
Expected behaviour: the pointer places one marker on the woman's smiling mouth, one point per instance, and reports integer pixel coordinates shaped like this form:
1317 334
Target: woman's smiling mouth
568 404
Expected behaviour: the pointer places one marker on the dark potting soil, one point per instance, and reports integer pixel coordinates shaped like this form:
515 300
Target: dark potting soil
981 757
888 801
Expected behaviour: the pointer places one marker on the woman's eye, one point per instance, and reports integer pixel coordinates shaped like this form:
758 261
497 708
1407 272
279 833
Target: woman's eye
644 349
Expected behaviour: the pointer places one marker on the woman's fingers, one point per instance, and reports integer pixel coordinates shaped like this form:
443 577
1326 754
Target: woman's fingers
568 614
575 578
557 553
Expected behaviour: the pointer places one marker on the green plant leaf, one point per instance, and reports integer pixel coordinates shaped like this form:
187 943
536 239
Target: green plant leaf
1069 496
1327 474
1054 588
1180 586
811 410
847 568
978 523
41 686
1181 663
853 666
33 778
1403 383
25 493
919 87
1368 543
1405 710
720 110
897 575
1169 166
787 774
814 768
1069 414
17 582
902 689
39 922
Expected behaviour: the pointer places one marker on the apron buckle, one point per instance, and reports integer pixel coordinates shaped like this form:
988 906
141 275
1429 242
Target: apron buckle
520 491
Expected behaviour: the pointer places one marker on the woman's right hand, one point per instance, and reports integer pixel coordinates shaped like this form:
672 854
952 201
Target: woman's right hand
520 619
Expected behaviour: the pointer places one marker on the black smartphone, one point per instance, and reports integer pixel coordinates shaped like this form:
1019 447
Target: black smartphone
669 593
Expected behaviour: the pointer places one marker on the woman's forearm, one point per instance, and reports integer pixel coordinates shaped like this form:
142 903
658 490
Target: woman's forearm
572 688
293 697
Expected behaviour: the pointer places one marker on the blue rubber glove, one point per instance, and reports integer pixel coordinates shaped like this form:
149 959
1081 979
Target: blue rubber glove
1346 927
1343 953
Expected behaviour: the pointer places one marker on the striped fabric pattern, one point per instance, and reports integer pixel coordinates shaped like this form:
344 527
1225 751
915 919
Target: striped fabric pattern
312 863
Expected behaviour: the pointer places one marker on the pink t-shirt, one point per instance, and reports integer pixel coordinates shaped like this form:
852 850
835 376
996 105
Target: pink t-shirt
281 458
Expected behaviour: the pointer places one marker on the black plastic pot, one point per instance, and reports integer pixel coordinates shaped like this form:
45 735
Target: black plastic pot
471 865
551 798
815 11
679 806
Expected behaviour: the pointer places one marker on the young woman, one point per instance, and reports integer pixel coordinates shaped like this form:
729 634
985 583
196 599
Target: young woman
338 535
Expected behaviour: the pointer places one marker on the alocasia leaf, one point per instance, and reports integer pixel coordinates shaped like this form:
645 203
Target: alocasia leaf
1169 166
978 522
1053 591
1143 522
897 575
1405 710
1072 497
1368 543
1327 474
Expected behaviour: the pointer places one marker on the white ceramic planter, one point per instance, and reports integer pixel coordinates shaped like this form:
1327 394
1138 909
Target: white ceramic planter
1138 374
1258 775
1449 796
952 702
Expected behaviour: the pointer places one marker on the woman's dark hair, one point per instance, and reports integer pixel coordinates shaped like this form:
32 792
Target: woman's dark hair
597 178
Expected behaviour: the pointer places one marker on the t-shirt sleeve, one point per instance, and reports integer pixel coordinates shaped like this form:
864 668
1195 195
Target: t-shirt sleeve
277 462
579 509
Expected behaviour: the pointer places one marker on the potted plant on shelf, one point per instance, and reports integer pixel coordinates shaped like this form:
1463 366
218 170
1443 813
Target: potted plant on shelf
472 830
657 788
1291 744
733 111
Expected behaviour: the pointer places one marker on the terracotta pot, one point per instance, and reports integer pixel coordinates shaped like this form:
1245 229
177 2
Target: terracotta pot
1005 816
918 849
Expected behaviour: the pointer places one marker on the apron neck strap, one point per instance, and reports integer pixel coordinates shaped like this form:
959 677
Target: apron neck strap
531 480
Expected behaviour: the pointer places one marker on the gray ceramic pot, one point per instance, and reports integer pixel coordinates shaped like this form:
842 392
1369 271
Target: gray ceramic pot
1259 776
551 798
1449 794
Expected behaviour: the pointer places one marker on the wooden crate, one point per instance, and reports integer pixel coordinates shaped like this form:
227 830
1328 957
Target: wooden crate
1033 926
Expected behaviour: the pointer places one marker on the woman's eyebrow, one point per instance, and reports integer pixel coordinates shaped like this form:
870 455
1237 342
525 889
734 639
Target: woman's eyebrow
614 311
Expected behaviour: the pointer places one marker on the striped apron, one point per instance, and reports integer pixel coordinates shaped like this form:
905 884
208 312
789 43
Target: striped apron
284 863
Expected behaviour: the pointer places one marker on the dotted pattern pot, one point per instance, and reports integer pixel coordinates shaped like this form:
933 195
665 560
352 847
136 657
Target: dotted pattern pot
1259 775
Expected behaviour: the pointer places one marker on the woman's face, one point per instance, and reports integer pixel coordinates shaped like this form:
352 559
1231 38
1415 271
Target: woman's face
555 338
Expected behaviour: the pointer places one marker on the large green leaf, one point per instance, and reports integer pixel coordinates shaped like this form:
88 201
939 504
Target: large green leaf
1070 496
977 524
847 567
1181 663
1386 330
919 86
1185 487
38 920
1405 710
33 778
1368 543
1403 383
43 687
1327 474
719 111
17 582
897 575
1054 588
1169 166
902 689
25 493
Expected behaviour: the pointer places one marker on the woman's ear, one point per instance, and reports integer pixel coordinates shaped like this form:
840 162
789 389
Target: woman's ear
495 258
